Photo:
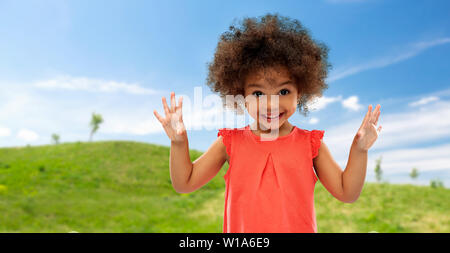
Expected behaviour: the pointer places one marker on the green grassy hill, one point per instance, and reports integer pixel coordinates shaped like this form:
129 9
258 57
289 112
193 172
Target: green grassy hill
119 186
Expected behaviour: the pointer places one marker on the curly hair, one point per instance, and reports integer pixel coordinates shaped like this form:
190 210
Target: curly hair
272 41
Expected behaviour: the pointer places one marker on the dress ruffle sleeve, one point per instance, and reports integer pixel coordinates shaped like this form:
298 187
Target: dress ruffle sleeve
226 138
316 136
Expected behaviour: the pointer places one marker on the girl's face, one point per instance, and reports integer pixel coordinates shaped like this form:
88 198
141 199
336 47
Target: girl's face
270 112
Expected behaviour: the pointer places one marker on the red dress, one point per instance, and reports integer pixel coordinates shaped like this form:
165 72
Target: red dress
269 185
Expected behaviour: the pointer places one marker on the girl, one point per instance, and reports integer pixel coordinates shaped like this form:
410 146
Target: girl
269 183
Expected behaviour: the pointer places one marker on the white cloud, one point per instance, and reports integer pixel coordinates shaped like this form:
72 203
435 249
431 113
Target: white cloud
92 85
132 124
313 120
12 102
443 93
27 135
424 159
320 103
424 101
5 132
351 103
412 51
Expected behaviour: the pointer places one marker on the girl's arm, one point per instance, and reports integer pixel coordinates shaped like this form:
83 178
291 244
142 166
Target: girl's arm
204 168
343 185
185 175
346 185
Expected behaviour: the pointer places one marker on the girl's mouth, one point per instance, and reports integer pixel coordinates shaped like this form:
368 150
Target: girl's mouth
269 118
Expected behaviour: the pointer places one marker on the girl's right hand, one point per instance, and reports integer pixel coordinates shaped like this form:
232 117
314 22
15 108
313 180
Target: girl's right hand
173 122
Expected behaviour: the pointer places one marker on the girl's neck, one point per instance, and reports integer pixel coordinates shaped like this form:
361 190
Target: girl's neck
284 129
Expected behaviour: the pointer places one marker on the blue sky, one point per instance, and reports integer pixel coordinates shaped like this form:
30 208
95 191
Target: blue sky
62 60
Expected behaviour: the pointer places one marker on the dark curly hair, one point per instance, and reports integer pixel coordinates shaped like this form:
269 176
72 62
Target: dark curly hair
269 42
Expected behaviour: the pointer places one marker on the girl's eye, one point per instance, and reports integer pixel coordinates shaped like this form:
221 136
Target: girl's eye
257 92
281 91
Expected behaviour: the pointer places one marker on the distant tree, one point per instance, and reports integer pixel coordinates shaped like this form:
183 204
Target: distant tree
55 139
96 120
378 171
414 173
436 183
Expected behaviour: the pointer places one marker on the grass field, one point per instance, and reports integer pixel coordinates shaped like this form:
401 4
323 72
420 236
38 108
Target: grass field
123 186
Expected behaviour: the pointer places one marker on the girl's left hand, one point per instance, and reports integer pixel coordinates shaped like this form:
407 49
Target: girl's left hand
368 133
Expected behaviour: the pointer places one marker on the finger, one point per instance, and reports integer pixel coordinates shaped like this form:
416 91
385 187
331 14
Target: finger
372 115
180 102
378 115
179 110
172 102
158 116
166 108
379 129
367 116
375 114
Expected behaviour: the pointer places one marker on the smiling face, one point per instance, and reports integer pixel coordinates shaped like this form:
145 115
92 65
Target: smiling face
272 97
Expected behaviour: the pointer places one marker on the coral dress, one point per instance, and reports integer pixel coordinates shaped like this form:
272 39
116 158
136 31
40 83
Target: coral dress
270 184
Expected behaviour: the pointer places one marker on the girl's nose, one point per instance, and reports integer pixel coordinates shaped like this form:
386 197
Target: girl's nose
269 104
